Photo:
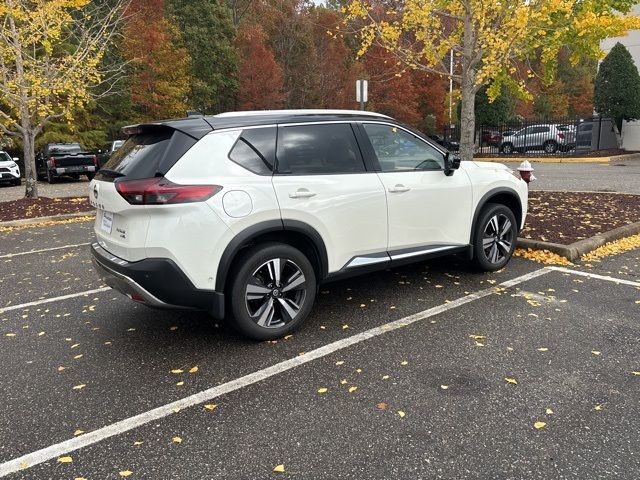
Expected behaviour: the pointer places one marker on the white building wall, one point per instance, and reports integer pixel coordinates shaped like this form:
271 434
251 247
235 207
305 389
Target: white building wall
630 130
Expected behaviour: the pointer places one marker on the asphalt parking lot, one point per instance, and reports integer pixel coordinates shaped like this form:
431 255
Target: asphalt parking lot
430 371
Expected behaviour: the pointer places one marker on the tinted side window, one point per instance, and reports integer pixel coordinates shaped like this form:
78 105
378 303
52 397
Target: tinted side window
318 150
540 130
400 151
255 150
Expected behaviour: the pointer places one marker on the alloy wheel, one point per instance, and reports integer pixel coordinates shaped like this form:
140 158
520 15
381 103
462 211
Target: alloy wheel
497 238
275 293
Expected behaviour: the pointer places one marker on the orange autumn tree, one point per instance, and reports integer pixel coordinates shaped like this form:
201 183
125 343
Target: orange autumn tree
260 76
159 64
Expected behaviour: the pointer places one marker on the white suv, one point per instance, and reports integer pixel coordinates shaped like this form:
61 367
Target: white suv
247 213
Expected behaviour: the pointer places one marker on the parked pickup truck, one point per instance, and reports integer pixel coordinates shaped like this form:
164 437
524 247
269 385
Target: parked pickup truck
65 159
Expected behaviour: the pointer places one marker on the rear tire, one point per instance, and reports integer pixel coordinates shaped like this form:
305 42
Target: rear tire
550 147
90 176
507 149
495 237
272 291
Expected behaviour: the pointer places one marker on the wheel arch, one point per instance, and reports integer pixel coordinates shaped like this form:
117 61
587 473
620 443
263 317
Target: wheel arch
291 232
502 195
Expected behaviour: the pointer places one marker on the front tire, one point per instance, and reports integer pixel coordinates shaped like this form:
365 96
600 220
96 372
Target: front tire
495 237
272 292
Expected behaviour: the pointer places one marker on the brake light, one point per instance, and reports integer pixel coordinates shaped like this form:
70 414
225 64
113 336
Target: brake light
160 191
95 160
561 136
52 162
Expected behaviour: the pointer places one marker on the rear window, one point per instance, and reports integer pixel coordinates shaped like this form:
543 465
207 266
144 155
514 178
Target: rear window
146 155
65 149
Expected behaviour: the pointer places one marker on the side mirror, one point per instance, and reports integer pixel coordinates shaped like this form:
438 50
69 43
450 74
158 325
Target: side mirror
15 159
451 164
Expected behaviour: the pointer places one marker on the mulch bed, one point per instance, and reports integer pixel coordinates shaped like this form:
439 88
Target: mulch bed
566 217
42 207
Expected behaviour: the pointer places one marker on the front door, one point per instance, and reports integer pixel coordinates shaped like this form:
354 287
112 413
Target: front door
427 210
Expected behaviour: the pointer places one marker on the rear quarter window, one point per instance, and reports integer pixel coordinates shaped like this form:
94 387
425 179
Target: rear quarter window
255 150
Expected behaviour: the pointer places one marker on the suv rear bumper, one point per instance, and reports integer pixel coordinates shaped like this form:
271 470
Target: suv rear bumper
155 282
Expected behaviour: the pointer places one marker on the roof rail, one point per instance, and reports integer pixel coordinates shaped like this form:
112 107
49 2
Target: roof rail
300 112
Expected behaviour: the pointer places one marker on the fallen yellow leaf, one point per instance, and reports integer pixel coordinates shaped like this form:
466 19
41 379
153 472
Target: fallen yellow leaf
79 387
381 405
179 384
210 406
401 413
339 362
539 425
637 374
126 473
65 460
404 362
193 370
598 407
79 478
444 387
352 389
385 377
61 368
137 443
177 370
511 380
595 352
343 381
279 468
549 411
322 390
543 349
78 432
177 440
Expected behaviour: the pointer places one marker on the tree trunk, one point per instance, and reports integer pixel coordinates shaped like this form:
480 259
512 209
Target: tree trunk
468 115
30 173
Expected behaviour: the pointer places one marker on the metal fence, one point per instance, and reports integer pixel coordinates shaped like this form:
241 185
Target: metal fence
538 137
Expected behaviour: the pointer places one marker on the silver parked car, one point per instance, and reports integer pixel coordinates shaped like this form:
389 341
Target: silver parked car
549 138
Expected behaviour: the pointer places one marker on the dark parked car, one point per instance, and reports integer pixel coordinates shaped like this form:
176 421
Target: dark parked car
104 154
451 145
65 159
490 138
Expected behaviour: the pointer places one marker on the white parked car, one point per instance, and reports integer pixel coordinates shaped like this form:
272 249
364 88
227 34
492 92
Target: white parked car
9 169
245 214
548 138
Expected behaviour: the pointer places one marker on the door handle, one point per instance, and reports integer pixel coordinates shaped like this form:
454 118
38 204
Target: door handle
302 193
399 188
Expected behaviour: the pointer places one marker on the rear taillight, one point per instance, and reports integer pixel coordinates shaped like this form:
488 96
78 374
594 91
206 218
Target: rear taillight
95 160
52 162
160 191
561 136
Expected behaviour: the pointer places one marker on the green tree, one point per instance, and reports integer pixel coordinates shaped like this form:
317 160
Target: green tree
617 86
493 113
208 34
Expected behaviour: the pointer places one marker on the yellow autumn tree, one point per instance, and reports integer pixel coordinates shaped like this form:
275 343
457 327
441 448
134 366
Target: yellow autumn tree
50 61
491 40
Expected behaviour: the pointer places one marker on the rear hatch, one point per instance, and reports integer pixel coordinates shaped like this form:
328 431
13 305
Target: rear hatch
118 190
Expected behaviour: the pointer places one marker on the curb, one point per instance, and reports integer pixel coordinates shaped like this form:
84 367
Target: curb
575 250
518 158
53 218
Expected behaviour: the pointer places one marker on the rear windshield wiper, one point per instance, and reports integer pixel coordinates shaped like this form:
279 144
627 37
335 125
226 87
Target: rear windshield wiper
111 173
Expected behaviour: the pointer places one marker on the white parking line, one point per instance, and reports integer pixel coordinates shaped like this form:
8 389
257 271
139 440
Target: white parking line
594 275
9 255
91 438
53 299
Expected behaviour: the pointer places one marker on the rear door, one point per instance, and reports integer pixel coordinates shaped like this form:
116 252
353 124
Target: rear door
321 181
427 210
120 227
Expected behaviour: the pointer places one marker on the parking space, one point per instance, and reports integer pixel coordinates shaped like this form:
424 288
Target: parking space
64 187
100 364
